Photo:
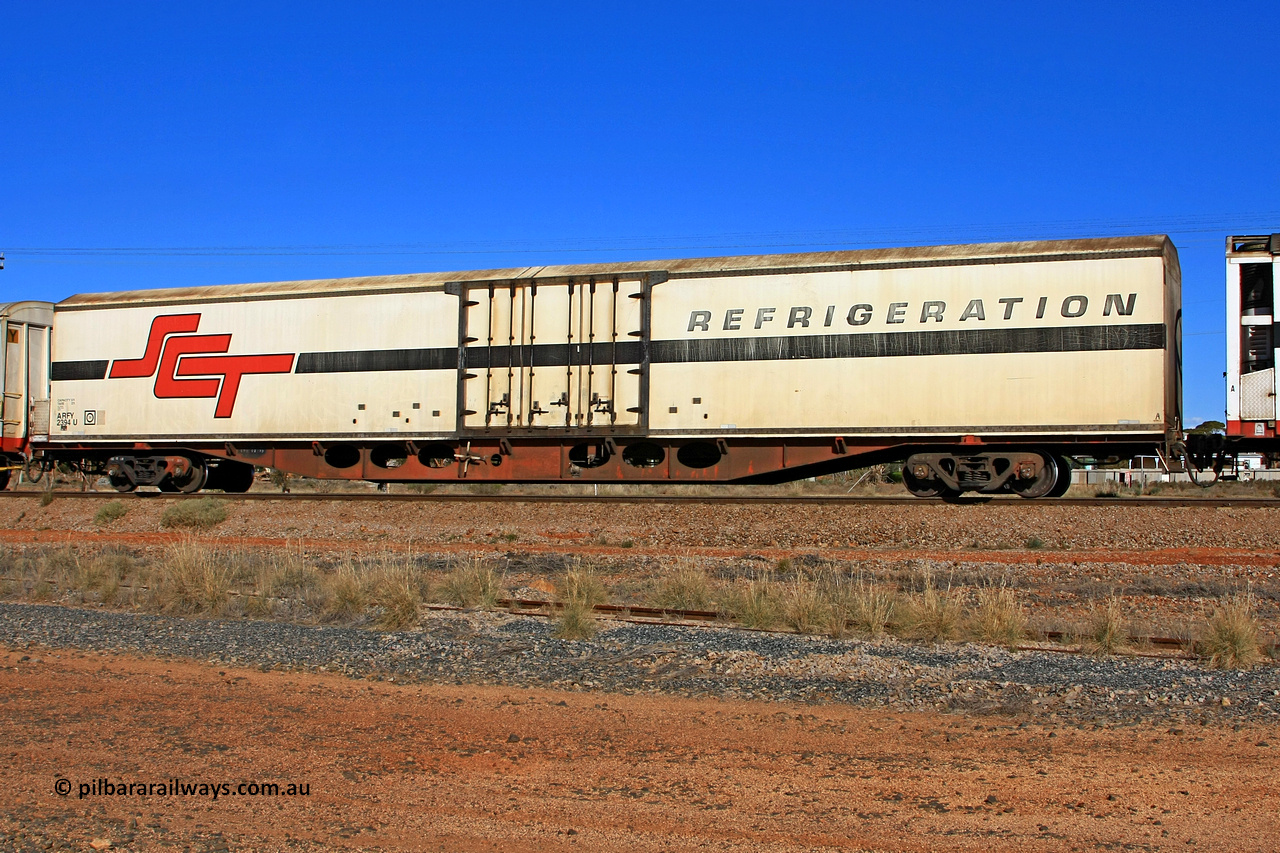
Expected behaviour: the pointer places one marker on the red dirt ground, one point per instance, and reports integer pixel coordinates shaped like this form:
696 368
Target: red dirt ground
437 768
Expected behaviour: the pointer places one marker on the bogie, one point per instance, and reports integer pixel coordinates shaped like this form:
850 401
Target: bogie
1030 474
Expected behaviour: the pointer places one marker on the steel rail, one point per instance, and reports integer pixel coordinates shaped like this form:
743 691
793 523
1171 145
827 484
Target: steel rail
1058 642
766 500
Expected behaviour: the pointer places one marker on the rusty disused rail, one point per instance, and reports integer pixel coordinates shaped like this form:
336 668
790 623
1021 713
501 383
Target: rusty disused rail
1053 641
1060 642
553 498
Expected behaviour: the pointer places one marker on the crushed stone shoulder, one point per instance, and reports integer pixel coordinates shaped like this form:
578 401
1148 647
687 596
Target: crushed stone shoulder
498 648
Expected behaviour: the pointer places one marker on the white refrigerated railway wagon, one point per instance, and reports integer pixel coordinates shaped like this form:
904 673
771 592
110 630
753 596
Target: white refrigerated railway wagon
981 366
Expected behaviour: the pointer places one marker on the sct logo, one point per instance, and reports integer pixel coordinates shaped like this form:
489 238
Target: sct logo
174 352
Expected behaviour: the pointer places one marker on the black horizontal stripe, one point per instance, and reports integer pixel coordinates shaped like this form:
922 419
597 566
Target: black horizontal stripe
363 361
554 355
65 371
776 348
882 344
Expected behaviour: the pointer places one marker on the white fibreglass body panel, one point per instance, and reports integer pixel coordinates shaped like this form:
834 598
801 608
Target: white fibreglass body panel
285 404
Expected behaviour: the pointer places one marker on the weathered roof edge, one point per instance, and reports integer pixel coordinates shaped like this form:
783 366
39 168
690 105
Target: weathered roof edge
683 267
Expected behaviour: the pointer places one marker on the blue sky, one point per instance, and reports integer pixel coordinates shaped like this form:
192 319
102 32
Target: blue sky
151 145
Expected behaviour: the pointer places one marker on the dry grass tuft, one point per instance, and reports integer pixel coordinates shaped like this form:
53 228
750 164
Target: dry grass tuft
755 603
687 588
199 514
109 512
473 582
104 573
933 614
576 622
344 599
805 609
399 602
1106 632
395 588
386 589
394 599
271 579
998 617
55 568
581 585
873 609
1230 639
192 579
284 584
857 606
579 591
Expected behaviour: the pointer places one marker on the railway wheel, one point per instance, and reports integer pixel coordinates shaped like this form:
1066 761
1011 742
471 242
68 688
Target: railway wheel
4 479
121 482
922 488
916 477
1041 485
192 482
1064 478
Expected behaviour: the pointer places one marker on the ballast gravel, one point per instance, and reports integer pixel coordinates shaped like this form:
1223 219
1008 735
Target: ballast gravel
1116 526
475 647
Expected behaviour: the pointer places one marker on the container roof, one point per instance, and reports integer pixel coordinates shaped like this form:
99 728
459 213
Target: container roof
29 311
1142 246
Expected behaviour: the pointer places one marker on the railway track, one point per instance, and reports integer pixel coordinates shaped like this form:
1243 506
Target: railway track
810 500
1060 642
1052 641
